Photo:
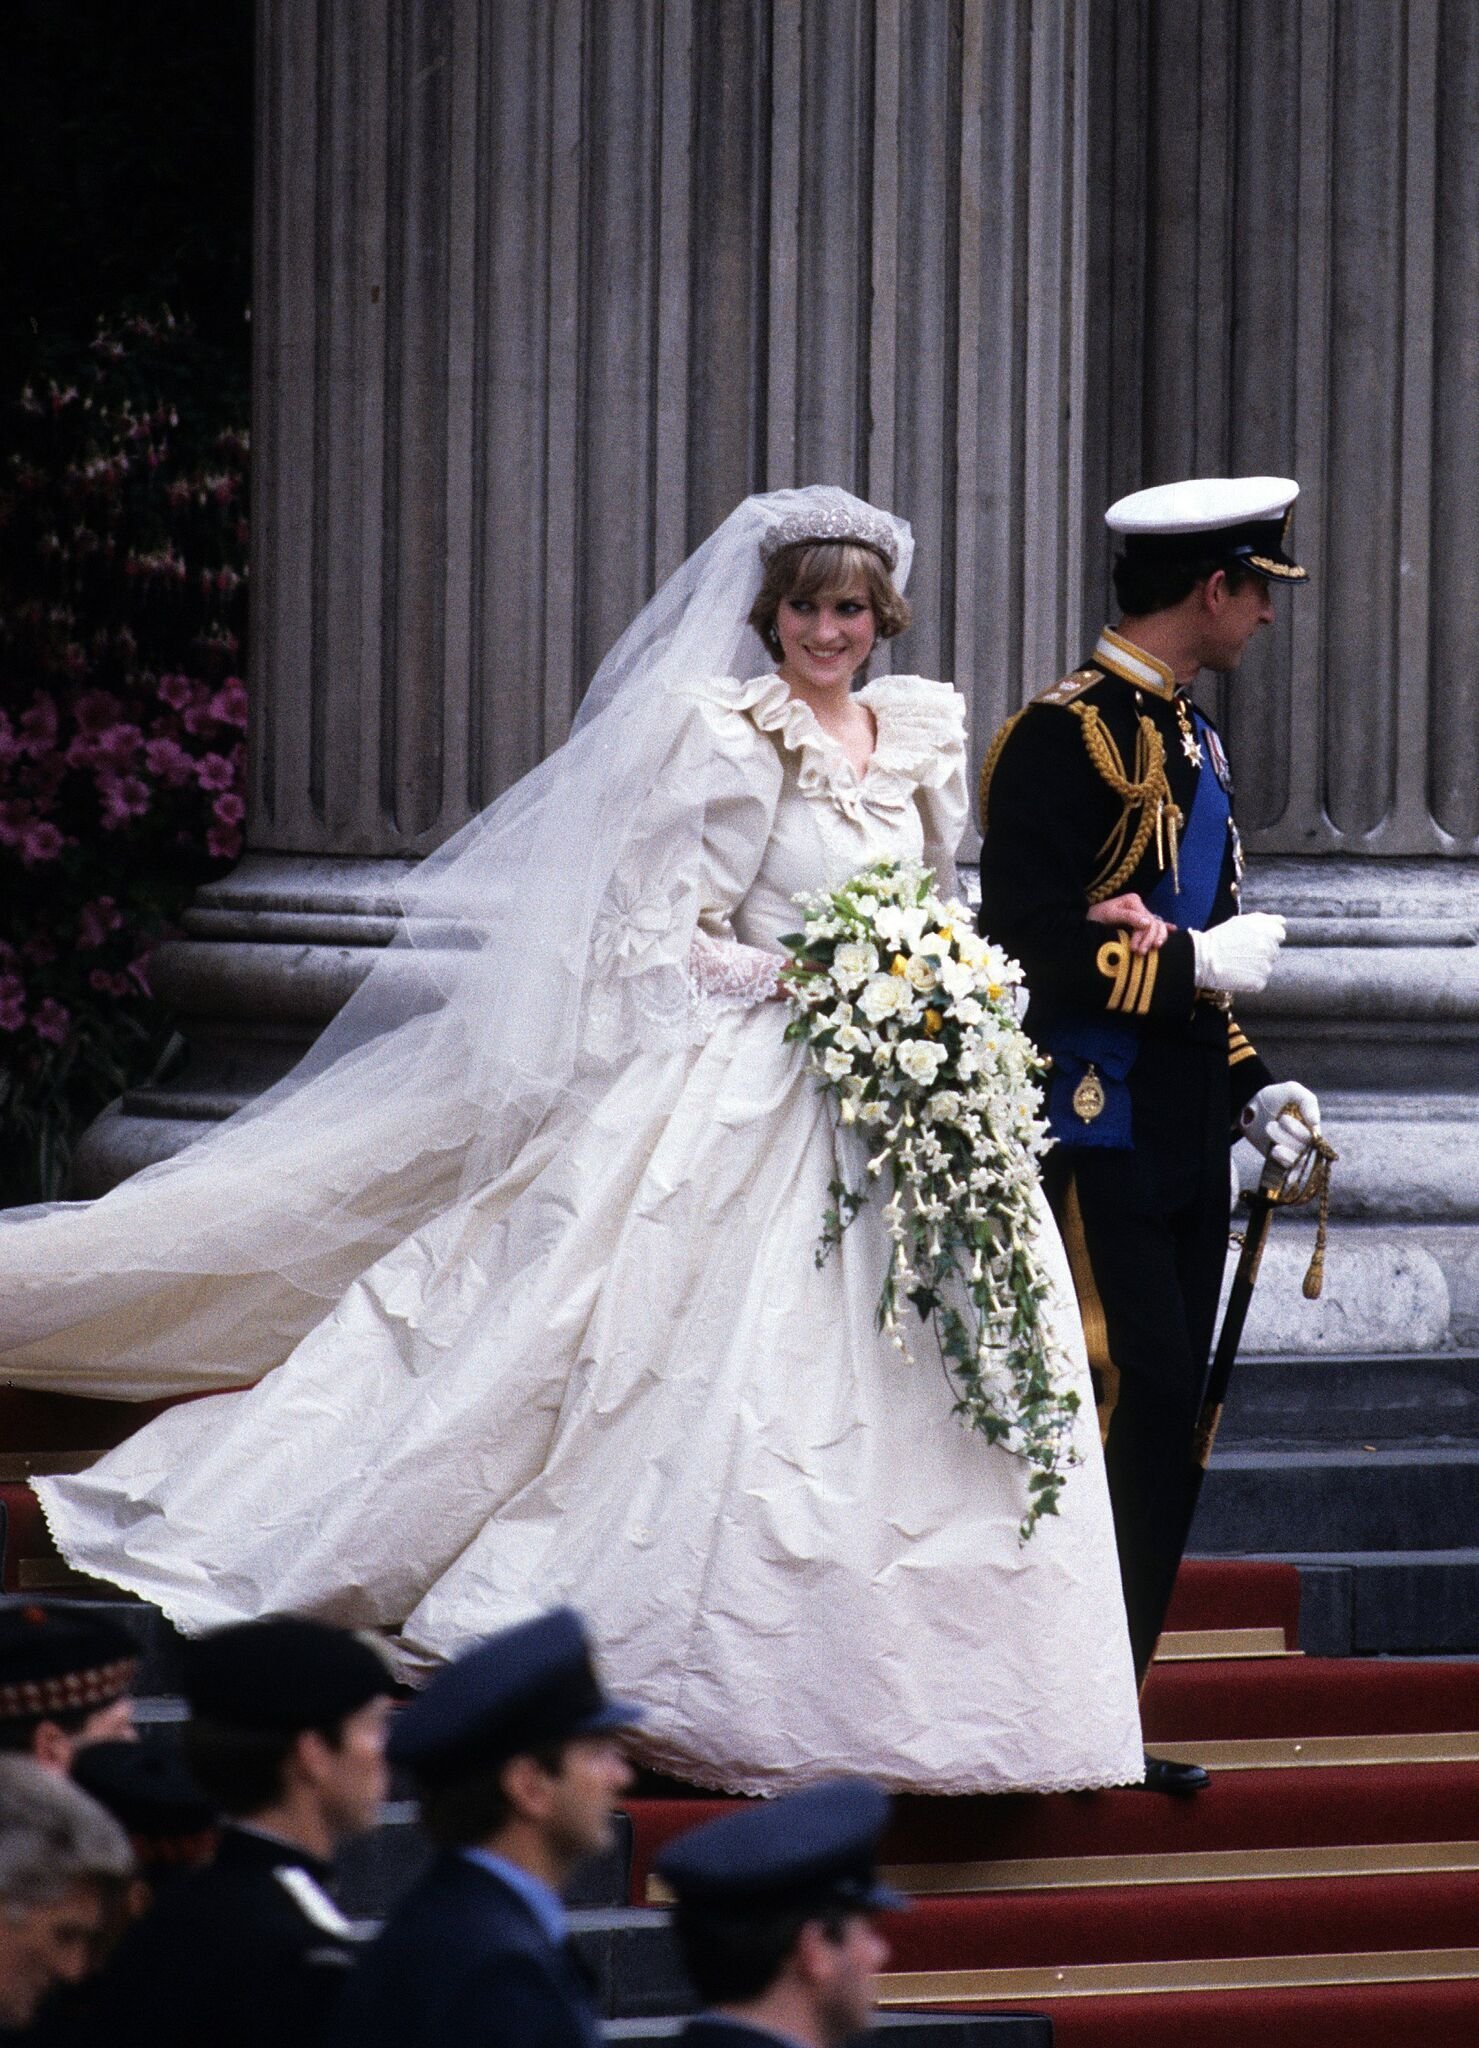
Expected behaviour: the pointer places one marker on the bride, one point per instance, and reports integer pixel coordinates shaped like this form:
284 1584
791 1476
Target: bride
506 1295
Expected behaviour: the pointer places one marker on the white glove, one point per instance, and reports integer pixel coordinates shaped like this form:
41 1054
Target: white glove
1238 957
1269 1125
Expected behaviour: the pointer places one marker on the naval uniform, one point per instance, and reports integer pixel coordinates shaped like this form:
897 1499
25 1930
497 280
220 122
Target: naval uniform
249 1953
1113 782
470 1958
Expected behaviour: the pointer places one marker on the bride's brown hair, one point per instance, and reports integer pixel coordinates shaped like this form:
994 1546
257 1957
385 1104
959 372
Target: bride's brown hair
812 569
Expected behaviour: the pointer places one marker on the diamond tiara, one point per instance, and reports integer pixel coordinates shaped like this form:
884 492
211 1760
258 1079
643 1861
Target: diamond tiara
836 523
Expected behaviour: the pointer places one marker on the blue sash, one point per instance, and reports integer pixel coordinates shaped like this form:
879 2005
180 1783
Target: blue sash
1109 1045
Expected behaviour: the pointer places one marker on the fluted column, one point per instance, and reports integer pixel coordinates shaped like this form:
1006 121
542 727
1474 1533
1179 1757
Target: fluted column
543 288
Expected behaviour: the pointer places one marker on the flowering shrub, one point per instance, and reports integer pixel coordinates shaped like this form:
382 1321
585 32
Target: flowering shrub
123 566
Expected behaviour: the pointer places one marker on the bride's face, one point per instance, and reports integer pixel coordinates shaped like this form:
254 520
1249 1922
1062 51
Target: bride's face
826 639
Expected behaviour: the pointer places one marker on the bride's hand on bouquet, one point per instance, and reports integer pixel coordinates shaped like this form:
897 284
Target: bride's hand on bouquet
1148 933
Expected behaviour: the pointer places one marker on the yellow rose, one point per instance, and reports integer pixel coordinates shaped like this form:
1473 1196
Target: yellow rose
934 1023
900 965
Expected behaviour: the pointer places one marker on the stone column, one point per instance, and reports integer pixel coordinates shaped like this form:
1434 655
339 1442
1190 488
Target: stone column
1285 272
543 287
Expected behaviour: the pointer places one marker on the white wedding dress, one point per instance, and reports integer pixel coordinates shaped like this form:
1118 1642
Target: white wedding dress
614 1374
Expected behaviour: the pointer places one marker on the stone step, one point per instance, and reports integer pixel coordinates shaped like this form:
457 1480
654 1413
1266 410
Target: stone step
1429 1398
896 2029
1388 1602
1298 1502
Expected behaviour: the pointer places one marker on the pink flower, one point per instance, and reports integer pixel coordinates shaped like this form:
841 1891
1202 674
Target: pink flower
168 760
124 797
139 972
102 983
12 1002
215 772
95 711
39 842
229 808
39 726
223 842
177 691
119 745
52 1020
199 718
229 704
10 746
95 921
14 814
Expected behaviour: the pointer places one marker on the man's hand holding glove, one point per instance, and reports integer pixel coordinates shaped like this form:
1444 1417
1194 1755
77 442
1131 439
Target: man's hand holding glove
1269 1124
1237 958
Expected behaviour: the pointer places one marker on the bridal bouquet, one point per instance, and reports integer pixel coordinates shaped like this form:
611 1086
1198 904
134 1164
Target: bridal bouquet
908 1021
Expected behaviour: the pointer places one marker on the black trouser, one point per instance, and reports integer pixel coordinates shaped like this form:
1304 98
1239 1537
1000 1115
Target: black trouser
1147 1233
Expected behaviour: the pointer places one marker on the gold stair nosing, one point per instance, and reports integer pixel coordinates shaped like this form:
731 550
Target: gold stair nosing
1219 1645
1315 1752
1189 1866
1202 1973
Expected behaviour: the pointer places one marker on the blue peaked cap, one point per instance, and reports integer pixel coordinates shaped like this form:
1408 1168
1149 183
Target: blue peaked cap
516 1691
818 1845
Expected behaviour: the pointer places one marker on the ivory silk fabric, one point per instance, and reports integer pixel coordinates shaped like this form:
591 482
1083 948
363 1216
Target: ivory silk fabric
615 1376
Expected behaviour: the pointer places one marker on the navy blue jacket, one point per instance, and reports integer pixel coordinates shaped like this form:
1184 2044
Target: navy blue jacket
245 1953
463 1963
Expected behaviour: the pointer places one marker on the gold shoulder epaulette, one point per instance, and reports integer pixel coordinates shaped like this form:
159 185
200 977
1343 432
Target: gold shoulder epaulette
1068 687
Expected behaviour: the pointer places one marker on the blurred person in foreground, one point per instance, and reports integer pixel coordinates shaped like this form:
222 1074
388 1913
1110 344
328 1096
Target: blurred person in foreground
776 1918
63 1862
287 1737
517 1753
66 1680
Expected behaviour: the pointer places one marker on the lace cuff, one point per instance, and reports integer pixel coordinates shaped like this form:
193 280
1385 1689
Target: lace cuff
725 975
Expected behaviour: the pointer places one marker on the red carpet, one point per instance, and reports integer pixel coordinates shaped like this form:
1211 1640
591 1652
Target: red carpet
1306 1696
1108 1910
1443 2015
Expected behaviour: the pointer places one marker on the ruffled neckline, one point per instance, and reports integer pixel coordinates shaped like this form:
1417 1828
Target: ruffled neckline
921 730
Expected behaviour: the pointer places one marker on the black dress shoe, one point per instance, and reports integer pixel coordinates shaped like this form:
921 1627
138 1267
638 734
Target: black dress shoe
1180 1780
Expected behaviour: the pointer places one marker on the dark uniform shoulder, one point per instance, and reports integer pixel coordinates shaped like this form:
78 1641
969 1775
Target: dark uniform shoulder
1069 688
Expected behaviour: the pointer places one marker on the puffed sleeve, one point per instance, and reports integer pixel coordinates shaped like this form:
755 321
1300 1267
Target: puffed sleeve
922 744
743 788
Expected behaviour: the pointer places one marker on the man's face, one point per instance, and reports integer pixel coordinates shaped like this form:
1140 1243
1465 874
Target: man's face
845 1971
352 1778
1230 618
43 1946
593 1775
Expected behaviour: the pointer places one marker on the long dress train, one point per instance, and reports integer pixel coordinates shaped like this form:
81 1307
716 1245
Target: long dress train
613 1373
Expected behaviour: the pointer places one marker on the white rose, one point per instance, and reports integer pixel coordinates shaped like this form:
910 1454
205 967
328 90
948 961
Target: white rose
883 996
920 972
968 1010
957 980
853 963
946 1106
919 1061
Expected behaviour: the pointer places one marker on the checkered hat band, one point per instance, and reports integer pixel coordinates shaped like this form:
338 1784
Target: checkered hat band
25 1698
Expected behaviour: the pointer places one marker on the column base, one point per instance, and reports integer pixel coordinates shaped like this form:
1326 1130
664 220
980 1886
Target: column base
271 952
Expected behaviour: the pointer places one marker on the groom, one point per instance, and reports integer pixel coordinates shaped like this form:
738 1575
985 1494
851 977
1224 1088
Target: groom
1111 868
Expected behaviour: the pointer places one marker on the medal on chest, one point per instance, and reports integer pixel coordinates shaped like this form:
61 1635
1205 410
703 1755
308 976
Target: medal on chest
1191 746
1221 767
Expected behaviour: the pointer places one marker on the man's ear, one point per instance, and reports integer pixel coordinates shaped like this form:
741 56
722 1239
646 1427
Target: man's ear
1214 591
52 1747
815 1953
526 1786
